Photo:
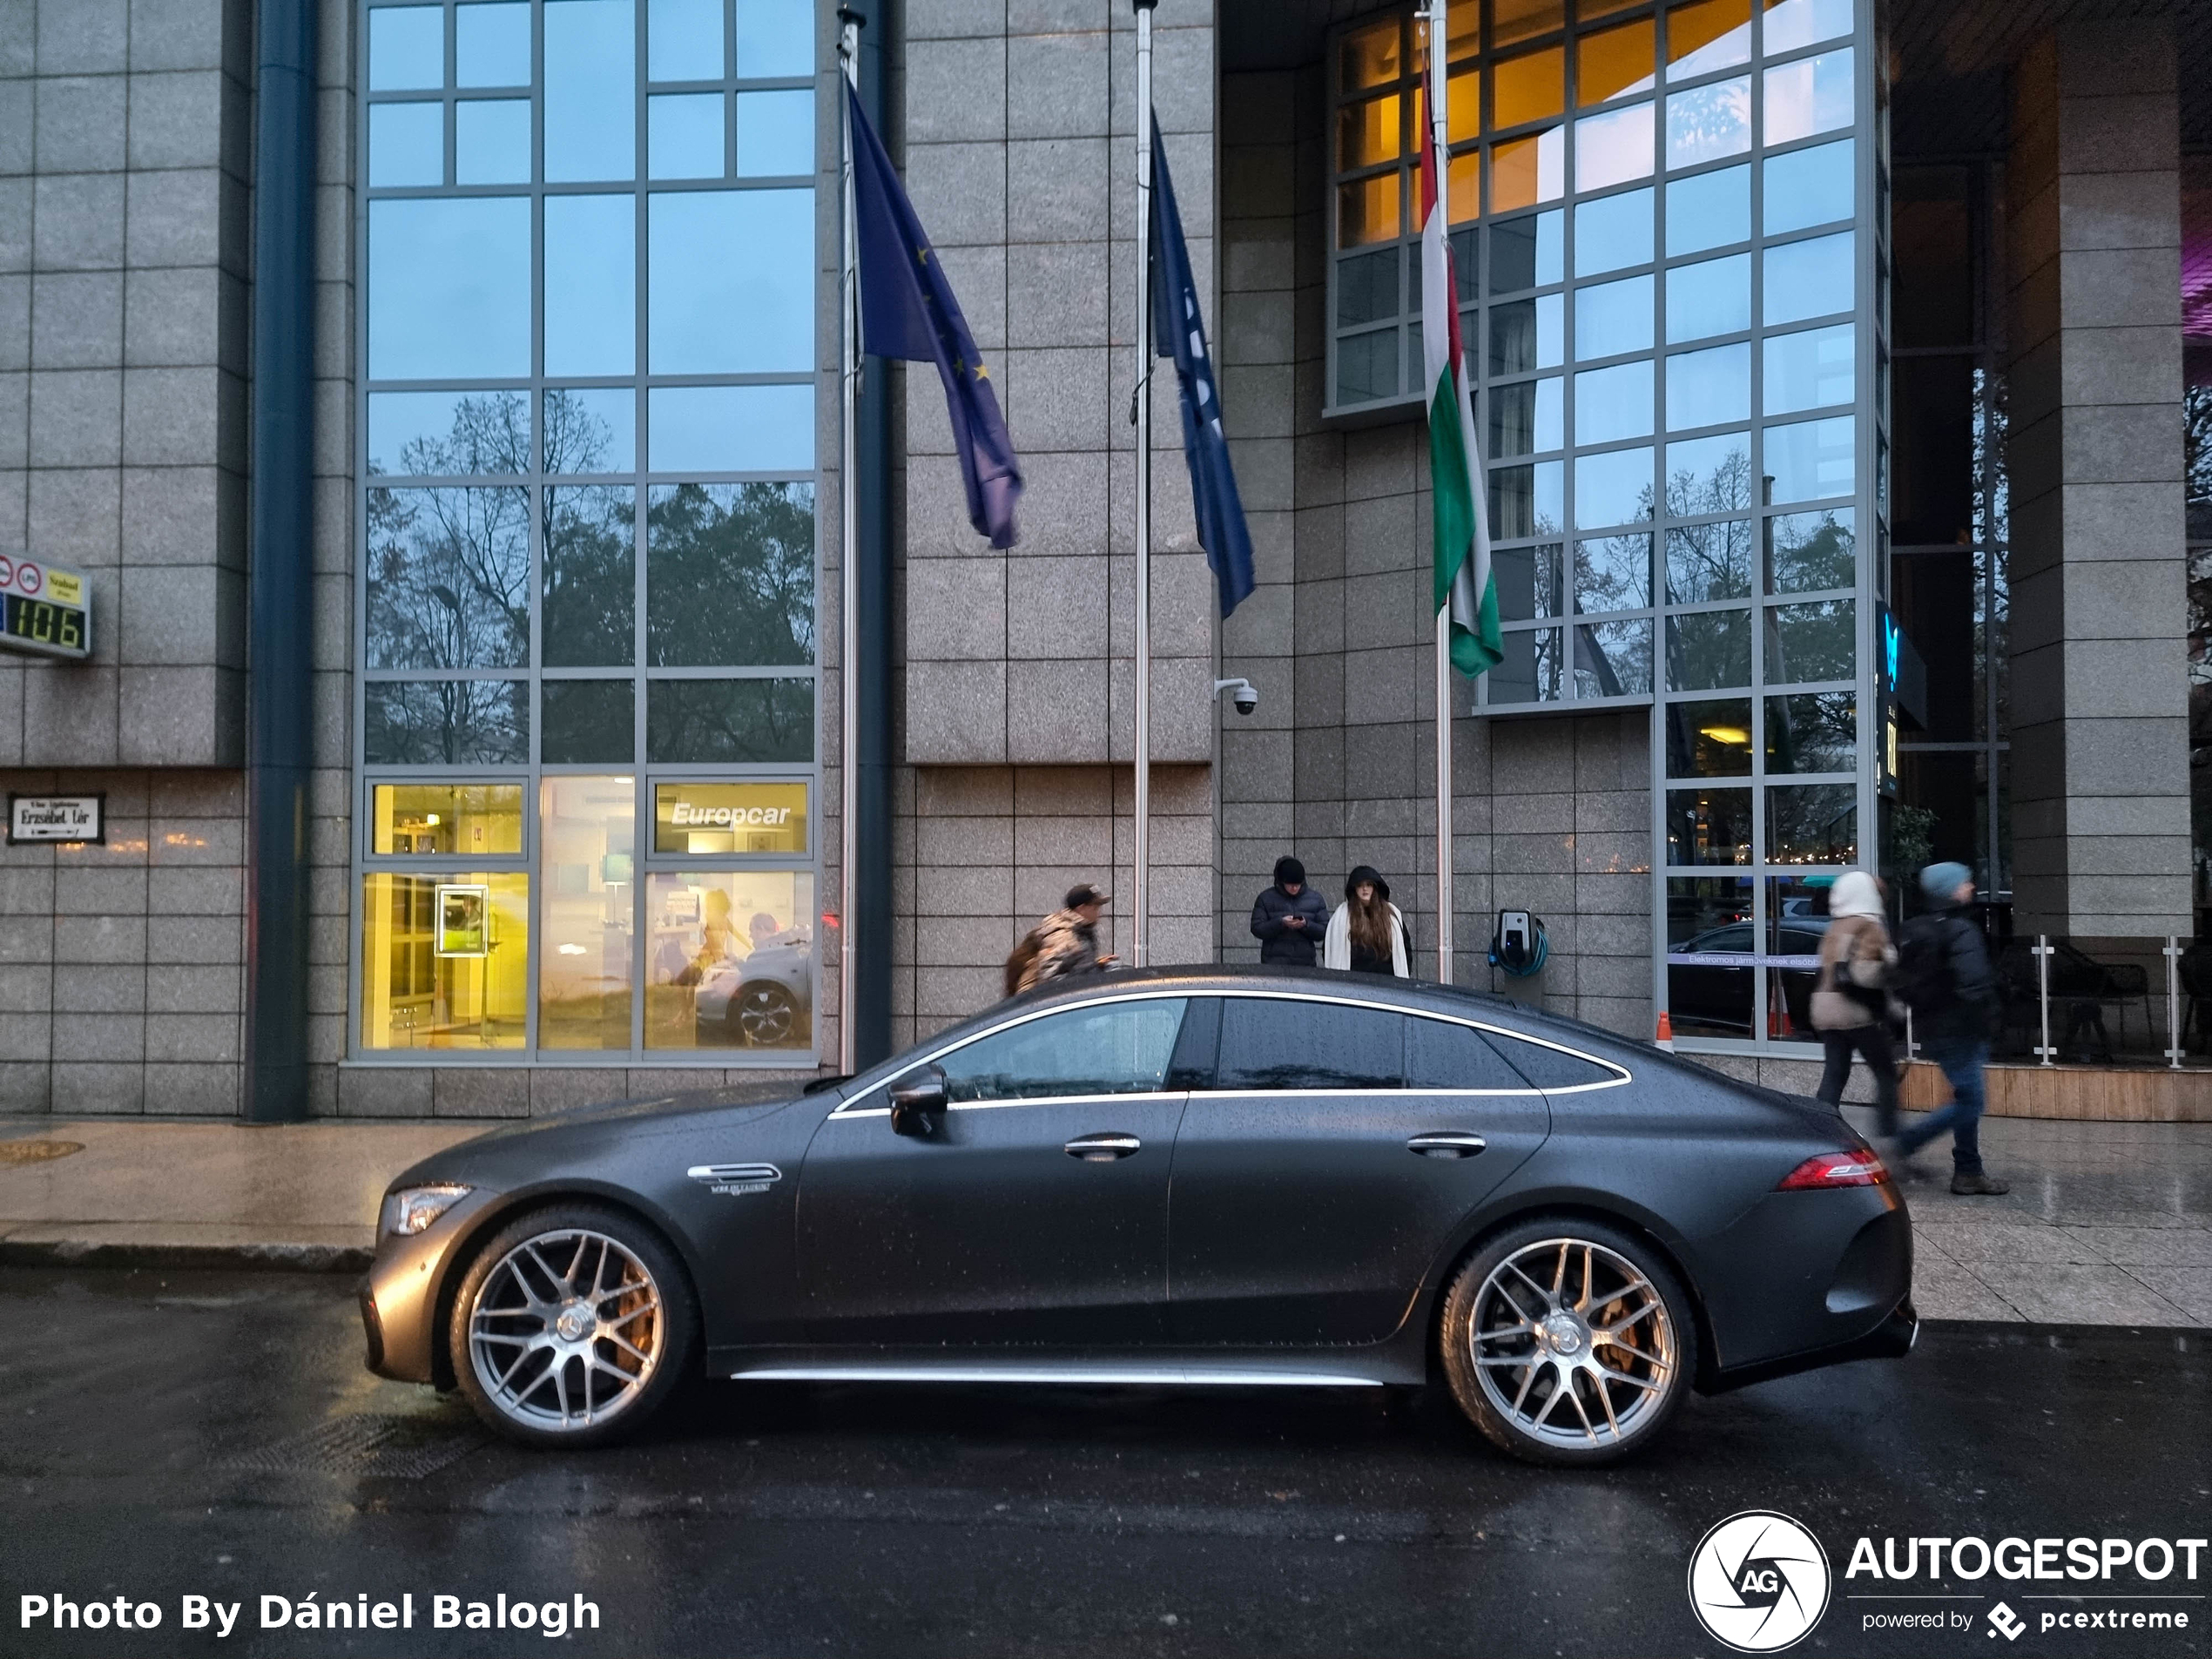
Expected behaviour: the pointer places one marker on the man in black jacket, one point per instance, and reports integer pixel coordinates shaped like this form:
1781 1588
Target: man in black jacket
1952 989
1289 918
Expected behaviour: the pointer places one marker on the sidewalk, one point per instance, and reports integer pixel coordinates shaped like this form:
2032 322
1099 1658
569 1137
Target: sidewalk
145 1192
2107 1223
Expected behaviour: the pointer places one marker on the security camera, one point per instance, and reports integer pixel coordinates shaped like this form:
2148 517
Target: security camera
1242 692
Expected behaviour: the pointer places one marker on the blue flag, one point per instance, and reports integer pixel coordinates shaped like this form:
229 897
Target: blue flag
1179 332
907 311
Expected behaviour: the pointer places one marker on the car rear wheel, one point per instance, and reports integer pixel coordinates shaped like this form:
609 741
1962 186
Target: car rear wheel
764 1013
572 1326
1566 1341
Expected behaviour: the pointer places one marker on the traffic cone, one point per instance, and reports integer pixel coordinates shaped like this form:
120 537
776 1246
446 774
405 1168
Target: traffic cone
1666 1037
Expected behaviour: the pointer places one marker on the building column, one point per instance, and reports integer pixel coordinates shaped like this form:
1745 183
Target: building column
2099 728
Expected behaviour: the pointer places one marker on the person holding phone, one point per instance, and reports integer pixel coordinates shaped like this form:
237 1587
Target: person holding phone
1288 919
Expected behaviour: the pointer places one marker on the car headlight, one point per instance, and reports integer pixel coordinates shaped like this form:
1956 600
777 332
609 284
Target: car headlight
411 1209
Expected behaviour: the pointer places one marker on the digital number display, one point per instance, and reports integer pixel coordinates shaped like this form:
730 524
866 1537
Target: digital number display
44 625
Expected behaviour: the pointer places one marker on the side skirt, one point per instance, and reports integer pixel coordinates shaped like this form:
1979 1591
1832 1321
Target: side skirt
1370 1369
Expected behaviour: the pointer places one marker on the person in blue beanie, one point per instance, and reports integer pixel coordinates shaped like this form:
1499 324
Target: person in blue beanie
1945 973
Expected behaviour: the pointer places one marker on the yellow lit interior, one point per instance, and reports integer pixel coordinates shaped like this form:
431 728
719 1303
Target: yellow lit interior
412 996
458 820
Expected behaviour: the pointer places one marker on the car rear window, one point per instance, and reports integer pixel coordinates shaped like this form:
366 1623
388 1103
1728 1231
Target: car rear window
1439 1055
1271 1043
1551 1068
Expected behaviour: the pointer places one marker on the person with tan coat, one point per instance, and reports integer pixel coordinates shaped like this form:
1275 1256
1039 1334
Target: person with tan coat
1850 1000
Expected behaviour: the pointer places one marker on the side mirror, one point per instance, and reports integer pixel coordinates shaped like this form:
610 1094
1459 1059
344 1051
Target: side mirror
915 1098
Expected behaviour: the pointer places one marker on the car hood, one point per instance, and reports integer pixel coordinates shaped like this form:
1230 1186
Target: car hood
516 1154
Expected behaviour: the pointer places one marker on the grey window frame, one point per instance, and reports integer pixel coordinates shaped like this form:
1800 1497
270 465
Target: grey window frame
1870 507
641 480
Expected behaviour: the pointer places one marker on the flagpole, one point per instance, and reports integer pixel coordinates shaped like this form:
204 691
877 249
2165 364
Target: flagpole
1436 140
848 970
1141 412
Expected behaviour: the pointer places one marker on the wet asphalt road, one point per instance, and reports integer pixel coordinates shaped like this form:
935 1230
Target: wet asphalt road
166 1434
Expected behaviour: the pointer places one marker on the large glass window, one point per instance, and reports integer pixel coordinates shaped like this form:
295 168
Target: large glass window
587 525
445 960
731 959
1672 304
1639 269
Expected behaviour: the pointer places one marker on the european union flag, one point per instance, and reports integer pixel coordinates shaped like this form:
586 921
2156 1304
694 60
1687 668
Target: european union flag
1179 332
907 311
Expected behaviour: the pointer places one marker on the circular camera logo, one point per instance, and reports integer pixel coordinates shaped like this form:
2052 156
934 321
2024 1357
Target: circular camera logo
1758 1581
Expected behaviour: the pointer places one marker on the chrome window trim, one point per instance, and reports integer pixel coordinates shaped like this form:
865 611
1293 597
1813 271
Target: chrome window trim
1320 1094
1621 1075
1148 1095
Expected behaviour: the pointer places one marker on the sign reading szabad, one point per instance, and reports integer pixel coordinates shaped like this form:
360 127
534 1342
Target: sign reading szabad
45 611
57 818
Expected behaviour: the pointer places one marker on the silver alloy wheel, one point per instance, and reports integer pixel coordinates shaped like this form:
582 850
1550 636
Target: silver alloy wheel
764 1013
1573 1343
566 1331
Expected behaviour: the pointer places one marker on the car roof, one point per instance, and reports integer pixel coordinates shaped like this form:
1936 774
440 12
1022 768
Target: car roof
1414 994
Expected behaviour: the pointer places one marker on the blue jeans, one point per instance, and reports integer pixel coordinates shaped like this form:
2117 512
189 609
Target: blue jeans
1961 1060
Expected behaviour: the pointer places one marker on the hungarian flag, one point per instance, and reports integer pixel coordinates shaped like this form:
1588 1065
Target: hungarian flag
1462 572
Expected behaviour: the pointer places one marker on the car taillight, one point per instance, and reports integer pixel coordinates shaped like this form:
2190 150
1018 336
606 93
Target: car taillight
1836 1169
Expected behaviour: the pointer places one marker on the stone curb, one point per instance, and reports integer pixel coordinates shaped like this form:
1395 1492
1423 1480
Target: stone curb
274 1256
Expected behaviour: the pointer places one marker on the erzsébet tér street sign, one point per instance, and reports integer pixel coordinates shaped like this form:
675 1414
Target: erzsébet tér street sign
45 611
57 818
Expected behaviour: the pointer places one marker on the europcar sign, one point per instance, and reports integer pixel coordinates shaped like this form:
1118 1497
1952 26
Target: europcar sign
730 817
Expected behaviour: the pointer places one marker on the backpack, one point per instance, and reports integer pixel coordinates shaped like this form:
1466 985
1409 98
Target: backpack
1019 964
1923 977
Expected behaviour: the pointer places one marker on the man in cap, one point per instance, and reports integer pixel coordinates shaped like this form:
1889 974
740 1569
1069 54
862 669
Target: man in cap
1064 942
1945 972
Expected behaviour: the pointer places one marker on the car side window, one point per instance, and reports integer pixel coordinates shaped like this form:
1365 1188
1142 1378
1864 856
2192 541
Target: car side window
1551 1068
1724 939
1269 1043
1110 1048
1439 1055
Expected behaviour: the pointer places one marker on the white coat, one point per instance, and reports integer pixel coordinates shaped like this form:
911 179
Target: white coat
1336 944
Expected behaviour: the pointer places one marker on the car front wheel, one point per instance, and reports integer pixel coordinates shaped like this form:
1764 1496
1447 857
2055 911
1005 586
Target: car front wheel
1567 1341
572 1326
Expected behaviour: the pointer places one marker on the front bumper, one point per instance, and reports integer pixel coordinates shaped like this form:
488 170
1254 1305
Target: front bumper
404 1289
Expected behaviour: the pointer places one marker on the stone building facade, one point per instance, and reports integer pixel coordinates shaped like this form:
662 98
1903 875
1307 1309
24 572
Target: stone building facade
126 265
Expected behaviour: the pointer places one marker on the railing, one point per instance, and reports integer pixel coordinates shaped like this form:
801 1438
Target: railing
2097 1000
2104 1001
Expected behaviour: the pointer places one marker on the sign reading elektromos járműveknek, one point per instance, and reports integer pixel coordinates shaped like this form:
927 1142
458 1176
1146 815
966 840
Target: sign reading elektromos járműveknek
45 611
75 819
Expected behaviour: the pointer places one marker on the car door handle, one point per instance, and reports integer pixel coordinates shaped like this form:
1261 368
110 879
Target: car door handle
1102 1149
1448 1143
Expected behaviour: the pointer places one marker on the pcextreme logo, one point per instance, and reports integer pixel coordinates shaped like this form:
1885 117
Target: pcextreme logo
1758 1581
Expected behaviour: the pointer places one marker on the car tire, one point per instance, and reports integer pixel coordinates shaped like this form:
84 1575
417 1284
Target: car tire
1602 1352
573 1325
763 1015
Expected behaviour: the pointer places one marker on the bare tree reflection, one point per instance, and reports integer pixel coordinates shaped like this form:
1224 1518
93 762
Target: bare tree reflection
730 575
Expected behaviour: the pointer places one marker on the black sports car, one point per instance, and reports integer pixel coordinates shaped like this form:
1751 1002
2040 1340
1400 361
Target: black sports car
1176 1176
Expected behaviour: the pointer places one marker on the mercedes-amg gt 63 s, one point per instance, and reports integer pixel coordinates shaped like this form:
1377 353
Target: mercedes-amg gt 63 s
1176 1175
